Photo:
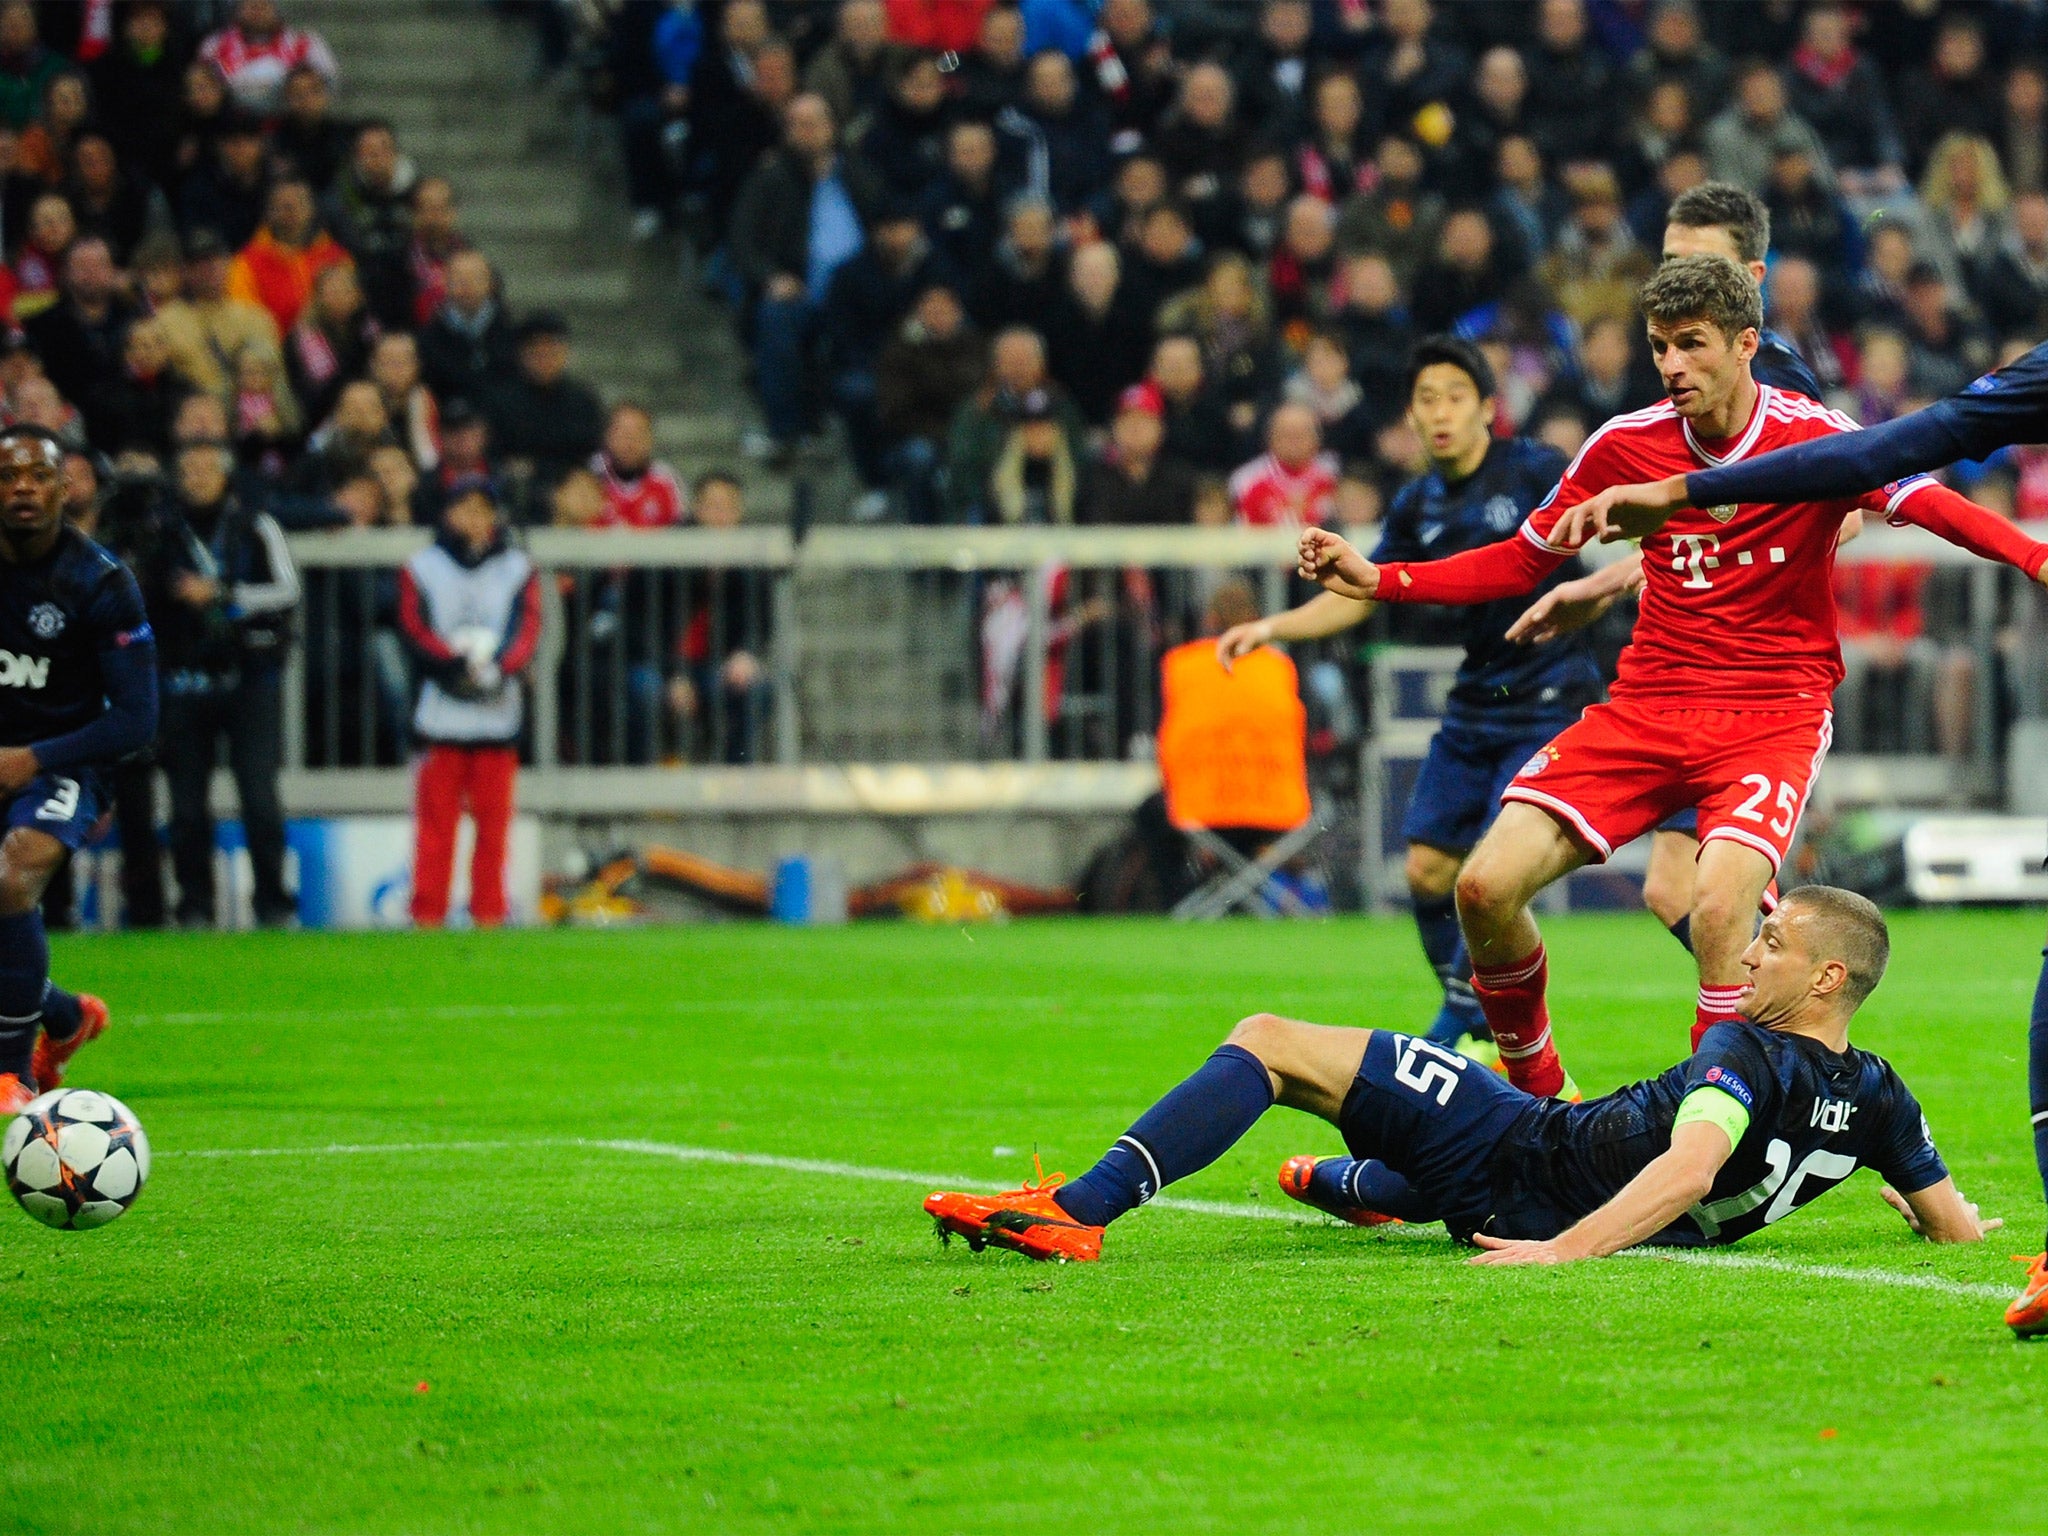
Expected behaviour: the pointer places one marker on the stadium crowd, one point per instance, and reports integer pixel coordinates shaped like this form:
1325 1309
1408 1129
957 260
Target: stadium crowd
1160 261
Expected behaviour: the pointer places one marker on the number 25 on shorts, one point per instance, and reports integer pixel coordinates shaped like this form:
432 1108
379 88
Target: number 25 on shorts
1754 808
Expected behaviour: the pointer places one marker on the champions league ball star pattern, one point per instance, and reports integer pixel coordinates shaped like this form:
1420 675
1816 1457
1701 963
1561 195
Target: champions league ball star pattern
75 1158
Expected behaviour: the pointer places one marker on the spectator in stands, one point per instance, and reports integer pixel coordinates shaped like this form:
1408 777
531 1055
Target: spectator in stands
2023 142
276 268
1572 95
851 72
205 108
1964 198
158 271
207 328
1064 134
1134 66
47 143
1036 475
468 347
469 609
544 422
394 368
1022 284
1273 66
1608 380
651 57
1334 158
1324 384
796 223
1399 218
1954 93
1757 125
267 428
1842 95
145 397
1945 350
1659 130
1881 289
225 193
1676 51
1597 265
1809 220
902 148
1293 482
981 427
1466 274
1166 261
1230 317
1408 72
1526 210
256 51
369 210
436 238
925 374
1198 429
962 209
107 201
1793 295
720 684
331 343
1135 481
26 66
311 142
2012 279
1202 142
222 628
138 85
1883 388
1301 274
868 298
1095 339
340 450
465 448
640 491
992 76
79 338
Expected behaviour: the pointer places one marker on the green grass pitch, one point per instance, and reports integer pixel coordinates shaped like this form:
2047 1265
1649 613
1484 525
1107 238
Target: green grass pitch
474 1320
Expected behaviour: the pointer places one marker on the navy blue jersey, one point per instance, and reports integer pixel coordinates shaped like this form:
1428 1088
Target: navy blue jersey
1779 365
1814 1119
2002 408
1501 685
77 659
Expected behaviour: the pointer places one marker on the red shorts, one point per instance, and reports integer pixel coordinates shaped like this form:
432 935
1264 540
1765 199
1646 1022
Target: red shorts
1624 767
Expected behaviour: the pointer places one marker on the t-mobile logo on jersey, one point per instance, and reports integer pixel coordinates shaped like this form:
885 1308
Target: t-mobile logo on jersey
23 671
1693 553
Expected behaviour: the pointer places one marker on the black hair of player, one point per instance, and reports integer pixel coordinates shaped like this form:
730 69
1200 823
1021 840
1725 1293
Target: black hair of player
1723 205
28 429
1452 352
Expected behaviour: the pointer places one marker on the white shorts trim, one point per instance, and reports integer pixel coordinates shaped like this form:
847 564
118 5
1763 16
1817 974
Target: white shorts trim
1762 845
1565 812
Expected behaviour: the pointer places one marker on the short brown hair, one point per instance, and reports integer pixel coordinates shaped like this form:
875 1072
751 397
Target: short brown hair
1848 928
1710 288
1723 205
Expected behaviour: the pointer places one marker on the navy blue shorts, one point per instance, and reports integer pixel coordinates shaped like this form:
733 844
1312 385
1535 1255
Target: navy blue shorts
1437 1119
1457 791
1686 821
64 805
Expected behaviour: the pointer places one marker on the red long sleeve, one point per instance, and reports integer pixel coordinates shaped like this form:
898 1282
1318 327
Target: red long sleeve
1968 526
1504 569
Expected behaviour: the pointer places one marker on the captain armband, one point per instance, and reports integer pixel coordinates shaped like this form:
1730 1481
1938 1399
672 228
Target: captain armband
1716 1106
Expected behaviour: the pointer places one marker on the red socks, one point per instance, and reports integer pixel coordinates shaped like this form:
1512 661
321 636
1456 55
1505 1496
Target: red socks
1512 997
1716 1006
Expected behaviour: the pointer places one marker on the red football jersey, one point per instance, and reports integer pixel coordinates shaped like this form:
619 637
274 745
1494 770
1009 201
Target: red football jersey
1738 606
653 499
1266 492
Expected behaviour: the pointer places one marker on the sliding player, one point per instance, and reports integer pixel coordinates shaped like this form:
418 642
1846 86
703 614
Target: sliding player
1722 696
1772 1111
77 690
1507 700
2000 409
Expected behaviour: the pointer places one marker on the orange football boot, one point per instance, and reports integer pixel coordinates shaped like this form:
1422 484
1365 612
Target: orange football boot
52 1055
2028 1313
1027 1221
15 1095
1295 1174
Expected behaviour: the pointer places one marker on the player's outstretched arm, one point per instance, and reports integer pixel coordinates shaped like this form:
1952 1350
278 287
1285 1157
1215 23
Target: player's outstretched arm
1329 560
1645 1206
1963 523
1572 605
1327 613
1940 1214
1621 512
1841 465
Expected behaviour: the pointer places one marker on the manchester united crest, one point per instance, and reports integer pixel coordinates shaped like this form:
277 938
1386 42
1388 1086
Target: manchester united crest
46 620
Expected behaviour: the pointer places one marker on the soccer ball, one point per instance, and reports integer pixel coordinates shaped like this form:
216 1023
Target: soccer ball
75 1158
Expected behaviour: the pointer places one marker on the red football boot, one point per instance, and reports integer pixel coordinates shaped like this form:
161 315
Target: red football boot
1027 1221
52 1055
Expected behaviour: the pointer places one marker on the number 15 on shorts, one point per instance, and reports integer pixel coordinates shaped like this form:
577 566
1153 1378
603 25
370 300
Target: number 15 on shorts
1427 1067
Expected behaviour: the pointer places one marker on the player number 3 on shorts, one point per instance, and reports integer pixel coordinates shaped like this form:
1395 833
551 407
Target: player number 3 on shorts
1787 804
61 806
1427 1067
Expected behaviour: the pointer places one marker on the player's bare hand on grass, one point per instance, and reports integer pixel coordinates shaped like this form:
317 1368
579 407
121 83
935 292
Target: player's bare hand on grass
1242 640
1620 512
1329 560
1507 1251
1898 1203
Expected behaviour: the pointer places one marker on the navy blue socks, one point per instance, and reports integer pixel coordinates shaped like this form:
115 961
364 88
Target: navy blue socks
24 974
61 1013
1444 945
1682 931
1341 1182
1183 1133
2037 1071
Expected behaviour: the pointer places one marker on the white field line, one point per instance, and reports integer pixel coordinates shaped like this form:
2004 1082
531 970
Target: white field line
677 1152
459 1012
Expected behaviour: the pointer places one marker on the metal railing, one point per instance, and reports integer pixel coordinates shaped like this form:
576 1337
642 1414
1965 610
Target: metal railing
1074 619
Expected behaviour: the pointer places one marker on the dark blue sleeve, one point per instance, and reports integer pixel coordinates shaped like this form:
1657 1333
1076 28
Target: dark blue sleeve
1397 531
128 672
2009 406
1730 1060
1903 1151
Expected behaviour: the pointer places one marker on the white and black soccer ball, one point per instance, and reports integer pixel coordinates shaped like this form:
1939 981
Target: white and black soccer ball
75 1158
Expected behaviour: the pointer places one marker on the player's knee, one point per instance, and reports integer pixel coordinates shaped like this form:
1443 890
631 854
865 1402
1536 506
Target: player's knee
27 860
1431 873
1263 1034
1715 909
1483 891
